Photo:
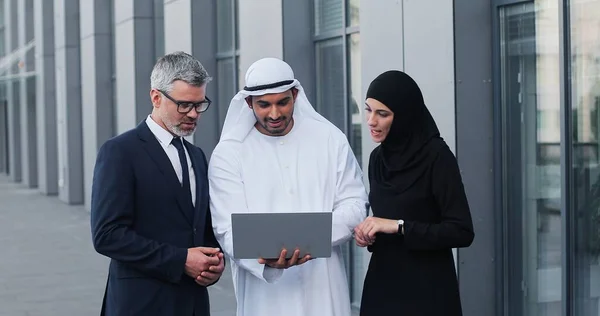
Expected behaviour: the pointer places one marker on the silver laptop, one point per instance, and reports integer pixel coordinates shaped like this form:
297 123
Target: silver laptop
264 235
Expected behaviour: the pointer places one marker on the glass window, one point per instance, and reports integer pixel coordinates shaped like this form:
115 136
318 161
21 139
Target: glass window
159 28
2 19
227 56
330 76
531 156
2 52
355 98
225 26
226 83
329 16
585 103
352 11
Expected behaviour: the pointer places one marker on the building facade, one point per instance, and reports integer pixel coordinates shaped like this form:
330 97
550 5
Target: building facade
513 85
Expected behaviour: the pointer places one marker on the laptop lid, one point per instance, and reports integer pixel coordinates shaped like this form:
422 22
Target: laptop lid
264 235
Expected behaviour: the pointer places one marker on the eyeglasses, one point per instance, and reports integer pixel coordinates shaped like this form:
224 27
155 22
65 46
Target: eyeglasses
184 107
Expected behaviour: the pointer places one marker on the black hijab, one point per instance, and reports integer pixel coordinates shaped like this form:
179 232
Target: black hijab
413 141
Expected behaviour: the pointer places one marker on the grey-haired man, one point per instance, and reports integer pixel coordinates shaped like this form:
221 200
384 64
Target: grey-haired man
150 211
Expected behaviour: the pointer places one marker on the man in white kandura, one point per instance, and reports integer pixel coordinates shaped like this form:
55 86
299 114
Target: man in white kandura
277 154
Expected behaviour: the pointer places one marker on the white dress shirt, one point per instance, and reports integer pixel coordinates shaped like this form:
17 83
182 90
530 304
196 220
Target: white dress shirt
164 137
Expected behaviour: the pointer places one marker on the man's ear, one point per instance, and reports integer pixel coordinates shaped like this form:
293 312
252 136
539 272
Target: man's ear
155 98
294 93
249 101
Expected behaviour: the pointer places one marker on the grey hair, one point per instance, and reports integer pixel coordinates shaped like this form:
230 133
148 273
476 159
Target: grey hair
178 66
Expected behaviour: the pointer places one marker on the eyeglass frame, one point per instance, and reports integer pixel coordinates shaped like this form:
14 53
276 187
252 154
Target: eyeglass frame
195 105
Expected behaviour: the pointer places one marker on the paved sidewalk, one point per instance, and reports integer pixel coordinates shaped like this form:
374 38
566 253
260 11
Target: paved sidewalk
48 266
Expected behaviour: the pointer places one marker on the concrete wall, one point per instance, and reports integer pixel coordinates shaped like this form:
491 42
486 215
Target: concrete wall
96 83
13 93
259 19
27 96
68 101
134 59
47 146
195 25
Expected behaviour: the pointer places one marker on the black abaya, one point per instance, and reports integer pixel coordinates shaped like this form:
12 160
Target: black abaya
415 177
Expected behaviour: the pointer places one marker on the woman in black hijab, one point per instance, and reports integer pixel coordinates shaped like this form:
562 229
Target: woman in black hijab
420 210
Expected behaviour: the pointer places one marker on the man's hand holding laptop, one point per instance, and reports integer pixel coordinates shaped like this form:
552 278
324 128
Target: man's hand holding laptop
283 263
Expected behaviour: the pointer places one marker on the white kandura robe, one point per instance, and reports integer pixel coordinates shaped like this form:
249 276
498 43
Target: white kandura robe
312 168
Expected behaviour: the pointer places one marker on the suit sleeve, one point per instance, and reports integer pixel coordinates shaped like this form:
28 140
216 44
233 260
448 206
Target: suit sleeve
209 234
227 195
112 216
455 230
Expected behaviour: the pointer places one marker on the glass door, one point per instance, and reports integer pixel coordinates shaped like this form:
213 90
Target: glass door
530 101
584 35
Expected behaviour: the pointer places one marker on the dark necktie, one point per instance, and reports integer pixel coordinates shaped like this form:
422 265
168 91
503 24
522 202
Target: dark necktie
184 166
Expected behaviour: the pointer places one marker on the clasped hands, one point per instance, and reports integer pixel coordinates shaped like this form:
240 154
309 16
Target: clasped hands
364 233
283 263
205 265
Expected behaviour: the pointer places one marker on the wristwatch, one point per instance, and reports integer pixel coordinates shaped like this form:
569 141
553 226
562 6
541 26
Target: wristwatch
400 227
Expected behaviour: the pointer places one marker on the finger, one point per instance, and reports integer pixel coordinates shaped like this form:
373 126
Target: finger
268 262
365 231
209 250
366 227
218 268
304 259
208 275
360 241
372 231
282 260
358 228
364 236
203 281
358 231
361 235
361 244
212 260
294 259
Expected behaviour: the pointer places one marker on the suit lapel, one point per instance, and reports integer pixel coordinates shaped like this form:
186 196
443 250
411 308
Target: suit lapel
158 155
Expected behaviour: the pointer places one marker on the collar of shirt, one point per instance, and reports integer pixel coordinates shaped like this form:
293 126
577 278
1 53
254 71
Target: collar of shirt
163 136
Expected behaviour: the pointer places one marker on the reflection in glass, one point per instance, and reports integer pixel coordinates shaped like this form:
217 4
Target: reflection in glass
226 86
531 156
329 16
159 28
227 59
330 81
225 26
352 9
355 100
585 104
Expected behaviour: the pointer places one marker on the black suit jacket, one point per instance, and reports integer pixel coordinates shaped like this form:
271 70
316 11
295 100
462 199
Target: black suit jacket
141 219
